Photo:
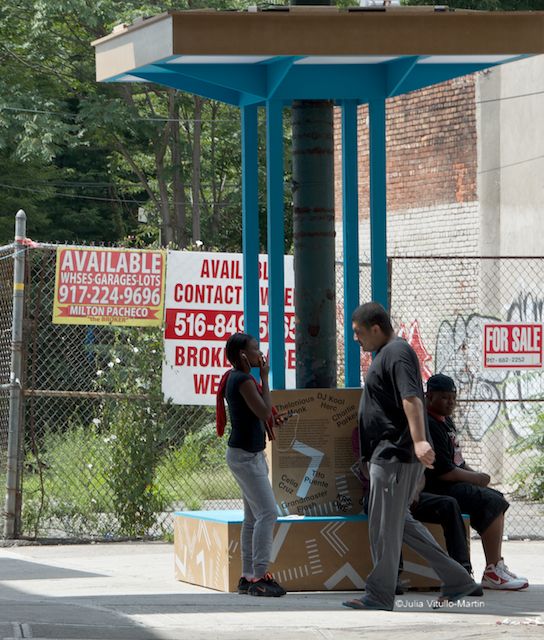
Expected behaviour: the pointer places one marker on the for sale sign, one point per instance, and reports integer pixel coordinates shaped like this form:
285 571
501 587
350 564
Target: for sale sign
109 286
513 346
204 306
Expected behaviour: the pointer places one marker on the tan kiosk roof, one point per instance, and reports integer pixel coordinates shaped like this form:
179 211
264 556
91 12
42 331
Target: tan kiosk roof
318 35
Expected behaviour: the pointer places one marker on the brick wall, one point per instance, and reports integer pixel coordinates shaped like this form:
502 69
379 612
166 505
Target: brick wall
431 149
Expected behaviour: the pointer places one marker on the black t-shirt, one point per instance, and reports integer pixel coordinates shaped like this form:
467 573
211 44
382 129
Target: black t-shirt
393 375
446 448
247 431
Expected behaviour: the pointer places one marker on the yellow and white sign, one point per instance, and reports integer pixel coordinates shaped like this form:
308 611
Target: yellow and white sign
109 286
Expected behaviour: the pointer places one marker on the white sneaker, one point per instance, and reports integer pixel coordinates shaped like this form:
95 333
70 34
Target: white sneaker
501 564
498 576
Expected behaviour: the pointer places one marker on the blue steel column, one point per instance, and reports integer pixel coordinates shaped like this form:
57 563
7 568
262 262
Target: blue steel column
275 240
350 229
250 219
378 203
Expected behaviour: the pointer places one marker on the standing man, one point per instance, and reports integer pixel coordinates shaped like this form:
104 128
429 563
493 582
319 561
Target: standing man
395 443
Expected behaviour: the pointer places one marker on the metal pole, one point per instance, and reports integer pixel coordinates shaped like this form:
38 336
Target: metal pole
378 202
250 218
15 395
314 244
350 227
275 242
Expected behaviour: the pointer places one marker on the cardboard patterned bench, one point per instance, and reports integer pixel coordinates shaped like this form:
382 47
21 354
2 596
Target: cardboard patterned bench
309 553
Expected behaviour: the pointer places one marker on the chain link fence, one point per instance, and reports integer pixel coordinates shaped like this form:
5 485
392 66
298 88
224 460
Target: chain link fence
6 299
441 305
105 458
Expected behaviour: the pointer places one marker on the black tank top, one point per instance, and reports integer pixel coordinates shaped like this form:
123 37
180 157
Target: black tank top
247 430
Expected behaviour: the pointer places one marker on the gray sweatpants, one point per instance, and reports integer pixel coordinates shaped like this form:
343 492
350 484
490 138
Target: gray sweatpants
251 473
390 523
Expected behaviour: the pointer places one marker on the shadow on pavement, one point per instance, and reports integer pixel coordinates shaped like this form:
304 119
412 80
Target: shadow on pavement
29 614
14 569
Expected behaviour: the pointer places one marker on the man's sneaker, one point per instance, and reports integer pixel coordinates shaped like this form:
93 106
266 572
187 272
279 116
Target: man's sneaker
496 577
243 585
454 595
477 592
266 586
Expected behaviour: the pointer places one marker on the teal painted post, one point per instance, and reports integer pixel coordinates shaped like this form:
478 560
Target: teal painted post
378 203
350 230
275 241
250 219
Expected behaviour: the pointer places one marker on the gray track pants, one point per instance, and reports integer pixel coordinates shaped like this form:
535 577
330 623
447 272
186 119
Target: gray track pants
251 473
390 523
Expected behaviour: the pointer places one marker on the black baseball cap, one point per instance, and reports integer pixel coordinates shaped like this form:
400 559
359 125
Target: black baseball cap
441 382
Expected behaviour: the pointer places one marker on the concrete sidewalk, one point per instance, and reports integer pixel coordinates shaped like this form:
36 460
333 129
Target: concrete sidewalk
127 591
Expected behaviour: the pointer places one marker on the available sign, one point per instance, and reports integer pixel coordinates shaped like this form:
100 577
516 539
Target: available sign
513 346
109 286
204 300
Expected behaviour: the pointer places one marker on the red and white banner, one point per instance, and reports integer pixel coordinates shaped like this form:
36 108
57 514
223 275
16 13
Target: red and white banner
204 306
109 286
513 346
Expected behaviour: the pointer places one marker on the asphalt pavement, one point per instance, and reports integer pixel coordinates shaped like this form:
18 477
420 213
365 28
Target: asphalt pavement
127 591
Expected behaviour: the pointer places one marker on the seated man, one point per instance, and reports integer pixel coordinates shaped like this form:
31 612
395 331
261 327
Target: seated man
451 476
443 510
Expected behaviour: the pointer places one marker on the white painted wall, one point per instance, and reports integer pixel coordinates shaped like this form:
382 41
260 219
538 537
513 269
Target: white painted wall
511 158
442 230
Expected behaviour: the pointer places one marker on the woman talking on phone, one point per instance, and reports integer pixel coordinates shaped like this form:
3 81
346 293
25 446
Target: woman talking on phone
251 418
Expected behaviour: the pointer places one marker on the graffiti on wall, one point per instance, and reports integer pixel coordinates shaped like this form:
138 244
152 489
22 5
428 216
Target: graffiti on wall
459 355
412 334
459 347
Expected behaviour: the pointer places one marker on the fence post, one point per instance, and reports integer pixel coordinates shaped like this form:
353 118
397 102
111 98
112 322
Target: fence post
15 394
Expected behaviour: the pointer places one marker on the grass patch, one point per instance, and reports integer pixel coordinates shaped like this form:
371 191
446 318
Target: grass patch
68 488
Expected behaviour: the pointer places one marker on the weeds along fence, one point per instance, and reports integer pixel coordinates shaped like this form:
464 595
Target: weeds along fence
103 457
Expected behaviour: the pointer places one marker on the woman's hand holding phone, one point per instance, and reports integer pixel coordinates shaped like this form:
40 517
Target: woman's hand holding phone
264 367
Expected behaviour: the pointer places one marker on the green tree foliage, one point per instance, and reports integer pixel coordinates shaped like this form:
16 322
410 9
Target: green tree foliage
83 157
530 476
37 126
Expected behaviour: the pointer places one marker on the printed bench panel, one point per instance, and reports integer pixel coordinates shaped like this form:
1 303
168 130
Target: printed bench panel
308 553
